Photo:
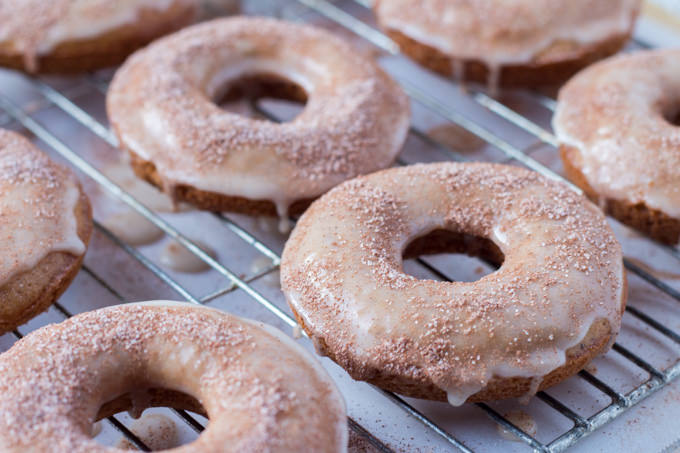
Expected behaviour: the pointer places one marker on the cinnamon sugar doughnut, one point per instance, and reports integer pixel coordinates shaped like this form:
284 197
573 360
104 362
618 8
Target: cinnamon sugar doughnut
618 124
510 43
45 225
554 304
261 391
161 105
68 36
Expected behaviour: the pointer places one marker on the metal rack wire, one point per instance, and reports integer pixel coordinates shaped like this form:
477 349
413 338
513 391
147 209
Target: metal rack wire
581 426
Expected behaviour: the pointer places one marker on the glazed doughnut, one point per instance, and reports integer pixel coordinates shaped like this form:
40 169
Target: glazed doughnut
45 225
261 391
161 104
554 304
618 124
512 43
67 36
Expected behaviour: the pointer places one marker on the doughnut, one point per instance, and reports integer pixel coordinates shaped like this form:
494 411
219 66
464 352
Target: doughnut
514 43
618 125
261 390
162 106
45 226
554 303
68 36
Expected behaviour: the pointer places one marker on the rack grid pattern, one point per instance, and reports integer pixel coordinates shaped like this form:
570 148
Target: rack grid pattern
10 113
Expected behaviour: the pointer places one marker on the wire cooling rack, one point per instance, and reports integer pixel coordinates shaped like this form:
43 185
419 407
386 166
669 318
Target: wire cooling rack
53 110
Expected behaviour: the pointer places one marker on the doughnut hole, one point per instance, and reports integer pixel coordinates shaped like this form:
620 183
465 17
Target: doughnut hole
461 256
674 117
264 96
157 430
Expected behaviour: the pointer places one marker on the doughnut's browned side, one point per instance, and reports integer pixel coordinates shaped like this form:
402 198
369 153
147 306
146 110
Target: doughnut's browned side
552 67
652 222
108 49
594 343
211 201
32 292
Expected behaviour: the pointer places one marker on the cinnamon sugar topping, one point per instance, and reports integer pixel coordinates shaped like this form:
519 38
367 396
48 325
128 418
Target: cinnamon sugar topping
342 274
259 390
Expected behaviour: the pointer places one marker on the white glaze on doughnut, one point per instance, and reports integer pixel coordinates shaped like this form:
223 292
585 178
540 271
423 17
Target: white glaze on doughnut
615 113
355 121
37 207
262 391
35 27
508 32
342 274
